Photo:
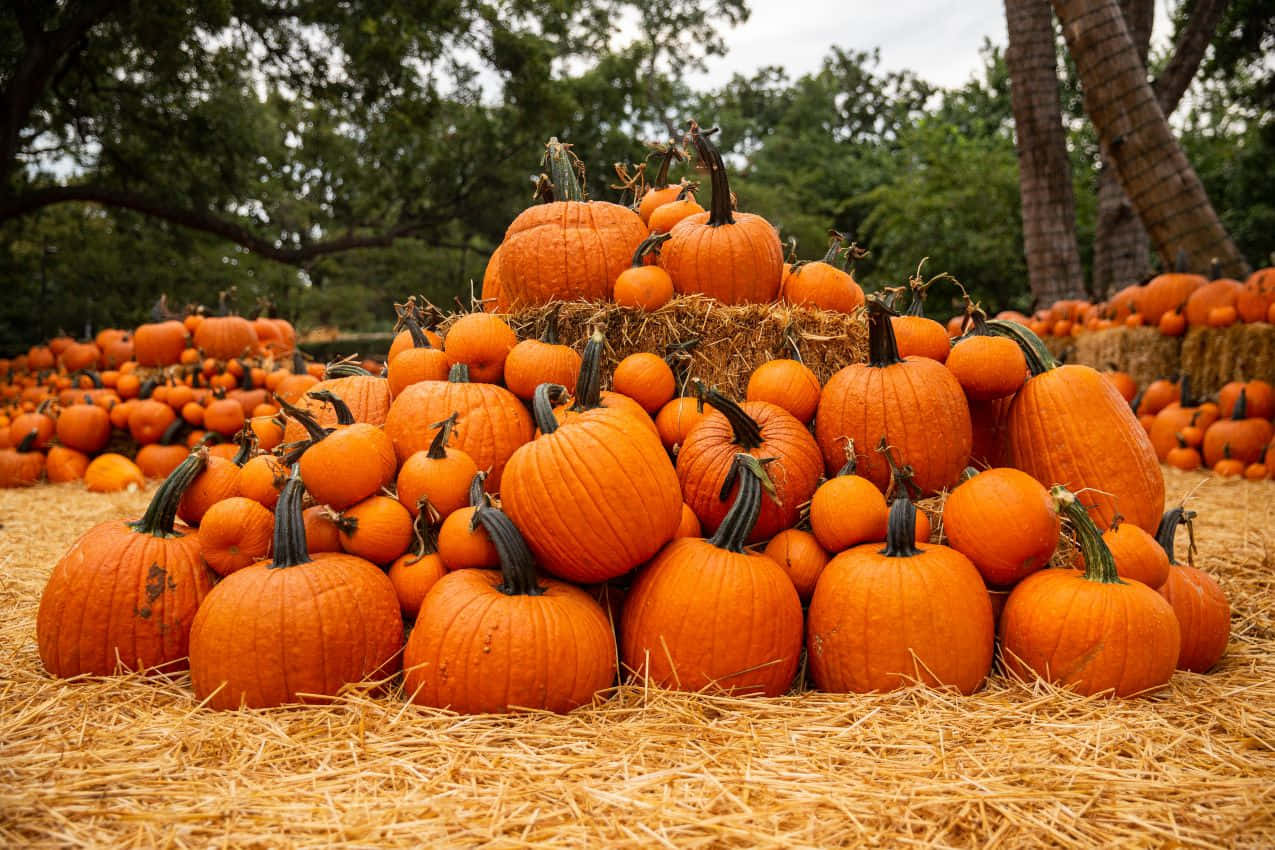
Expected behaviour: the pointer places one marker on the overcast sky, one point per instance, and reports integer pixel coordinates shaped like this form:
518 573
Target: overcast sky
939 39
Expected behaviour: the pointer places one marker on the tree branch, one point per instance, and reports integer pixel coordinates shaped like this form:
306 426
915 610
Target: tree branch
208 223
1188 53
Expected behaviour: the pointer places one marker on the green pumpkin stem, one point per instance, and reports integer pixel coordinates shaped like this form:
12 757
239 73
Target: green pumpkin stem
589 381
161 513
459 373
1039 360
1100 566
750 472
342 410
298 363
478 497
172 432
668 154
563 167
28 441
304 419
550 334
744 427
1166 532
517 567
720 211
346 367
1241 406
438 445
247 446
883 349
289 525
649 245
542 401
900 531
836 241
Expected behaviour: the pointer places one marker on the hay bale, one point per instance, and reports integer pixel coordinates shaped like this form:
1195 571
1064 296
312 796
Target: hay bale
733 340
1214 356
1060 346
1145 353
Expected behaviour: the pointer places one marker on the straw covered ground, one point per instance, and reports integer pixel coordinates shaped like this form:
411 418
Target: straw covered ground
135 762
708 333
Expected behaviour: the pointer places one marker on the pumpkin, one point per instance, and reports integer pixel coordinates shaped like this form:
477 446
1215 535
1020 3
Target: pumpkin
159 459
707 614
347 464
236 532
1227 466
1216 294
491 423
84 427
986 366
1186 416
977 513
689 525
1089 631
800 555
37 421
367 398
821 284
533 362
1241 436
660 192
377 529
665 217
482 342
917 335
847 509
1172 323
1183 456
439 476
64 464
1159 394
1168 292
569 248
733 257
225 336
149 420
589 394
416 571
907 402
298 627
1257 296
676 419
881 618
262 478
643 286
1069 426
647 379
463 542
1202 609
414 334
1122 381
497 642
218 481
126 592
159 343
1137 555
988 420
763 430
1259 396
787 383
594 497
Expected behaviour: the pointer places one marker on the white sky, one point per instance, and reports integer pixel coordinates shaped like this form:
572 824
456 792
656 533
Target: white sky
938 39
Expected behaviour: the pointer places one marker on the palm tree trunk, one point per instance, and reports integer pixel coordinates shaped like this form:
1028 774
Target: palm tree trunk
1044 171
1150 166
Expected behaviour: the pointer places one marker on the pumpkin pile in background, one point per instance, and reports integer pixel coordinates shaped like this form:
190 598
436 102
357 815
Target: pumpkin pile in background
533 527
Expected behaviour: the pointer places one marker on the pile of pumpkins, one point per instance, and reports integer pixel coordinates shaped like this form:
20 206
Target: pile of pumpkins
536 529
1172 302
1233 436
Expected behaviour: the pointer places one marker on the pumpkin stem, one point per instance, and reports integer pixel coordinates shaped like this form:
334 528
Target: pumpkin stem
550 334
1241 406
750 472
408 320
346 367
589 381
309 423
883 349
171 432
28 441
517 567
649 245
247 446
542 401
1182 264
851 466
900 533
298 363
425 537
438 445
900 474
836 240
1039 360
1100 566
720 211
1167 531
459 373
162 511
342 410
289 525
478 497
744 427
565 171
668 154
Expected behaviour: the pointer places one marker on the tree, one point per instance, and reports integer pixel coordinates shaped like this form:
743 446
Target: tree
1150 166
1048 203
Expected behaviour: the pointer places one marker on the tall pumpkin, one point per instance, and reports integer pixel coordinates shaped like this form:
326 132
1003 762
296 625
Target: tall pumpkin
297 627
708 614
1068 425
915 404
595 497
734 257
126 592
569 248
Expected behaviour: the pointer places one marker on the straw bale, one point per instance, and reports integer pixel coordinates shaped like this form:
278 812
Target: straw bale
1062 347
1214 356
732 340
128 761
1145 353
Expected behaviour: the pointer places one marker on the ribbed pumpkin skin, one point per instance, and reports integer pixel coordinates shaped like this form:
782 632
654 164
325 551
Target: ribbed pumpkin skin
1204 616
870 615
367 397
977 513
708 451
565 250
159 343
1088 635
1138 556
737 263
700 617
1069 426
916 405
270 634
121 591
492 423
595 498
476 650
224 337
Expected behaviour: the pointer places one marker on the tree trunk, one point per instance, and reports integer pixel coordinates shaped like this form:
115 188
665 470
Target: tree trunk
1044 171
1121 248
1152 169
